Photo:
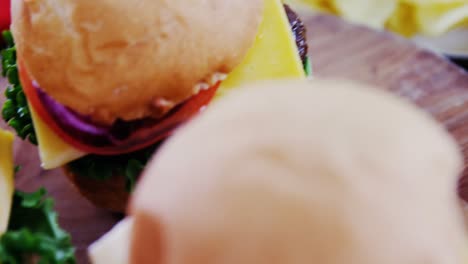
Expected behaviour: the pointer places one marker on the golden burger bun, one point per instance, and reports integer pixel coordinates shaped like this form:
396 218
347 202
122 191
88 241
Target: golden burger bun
130 59
302 172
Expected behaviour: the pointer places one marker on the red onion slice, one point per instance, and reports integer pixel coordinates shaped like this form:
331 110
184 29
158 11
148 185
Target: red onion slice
121 137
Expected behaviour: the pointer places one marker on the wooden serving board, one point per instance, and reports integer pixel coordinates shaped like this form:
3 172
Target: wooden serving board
338 50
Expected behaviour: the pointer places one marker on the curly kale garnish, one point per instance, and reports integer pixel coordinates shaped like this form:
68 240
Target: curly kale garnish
104 167
34 235
15 110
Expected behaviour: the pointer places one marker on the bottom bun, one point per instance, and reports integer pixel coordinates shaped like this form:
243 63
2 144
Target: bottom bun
110 194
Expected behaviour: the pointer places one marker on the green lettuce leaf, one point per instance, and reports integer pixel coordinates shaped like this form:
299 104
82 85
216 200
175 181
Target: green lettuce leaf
308 66
34 235
15 110
104 167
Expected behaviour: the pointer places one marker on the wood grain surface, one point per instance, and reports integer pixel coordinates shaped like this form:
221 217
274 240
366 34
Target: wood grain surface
338 50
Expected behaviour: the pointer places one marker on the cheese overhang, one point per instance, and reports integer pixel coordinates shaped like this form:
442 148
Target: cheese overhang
53 151
274 55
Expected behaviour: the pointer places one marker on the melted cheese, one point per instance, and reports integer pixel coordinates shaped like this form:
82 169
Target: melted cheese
274 55
6 178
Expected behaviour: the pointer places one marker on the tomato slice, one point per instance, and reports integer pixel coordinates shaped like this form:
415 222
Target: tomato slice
142 137
4 15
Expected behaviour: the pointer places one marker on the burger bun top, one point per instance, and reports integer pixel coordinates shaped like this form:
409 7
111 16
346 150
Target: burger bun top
125 59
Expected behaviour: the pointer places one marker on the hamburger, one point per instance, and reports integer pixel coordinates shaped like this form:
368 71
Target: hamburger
99 85
284 172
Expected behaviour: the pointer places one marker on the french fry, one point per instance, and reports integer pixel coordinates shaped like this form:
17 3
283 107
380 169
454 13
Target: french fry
406 17
368 12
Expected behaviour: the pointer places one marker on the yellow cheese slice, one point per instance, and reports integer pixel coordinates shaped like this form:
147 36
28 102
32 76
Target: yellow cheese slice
274 55
6 178
53 151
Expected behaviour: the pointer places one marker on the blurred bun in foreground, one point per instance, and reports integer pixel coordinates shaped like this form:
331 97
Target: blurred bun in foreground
302 172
